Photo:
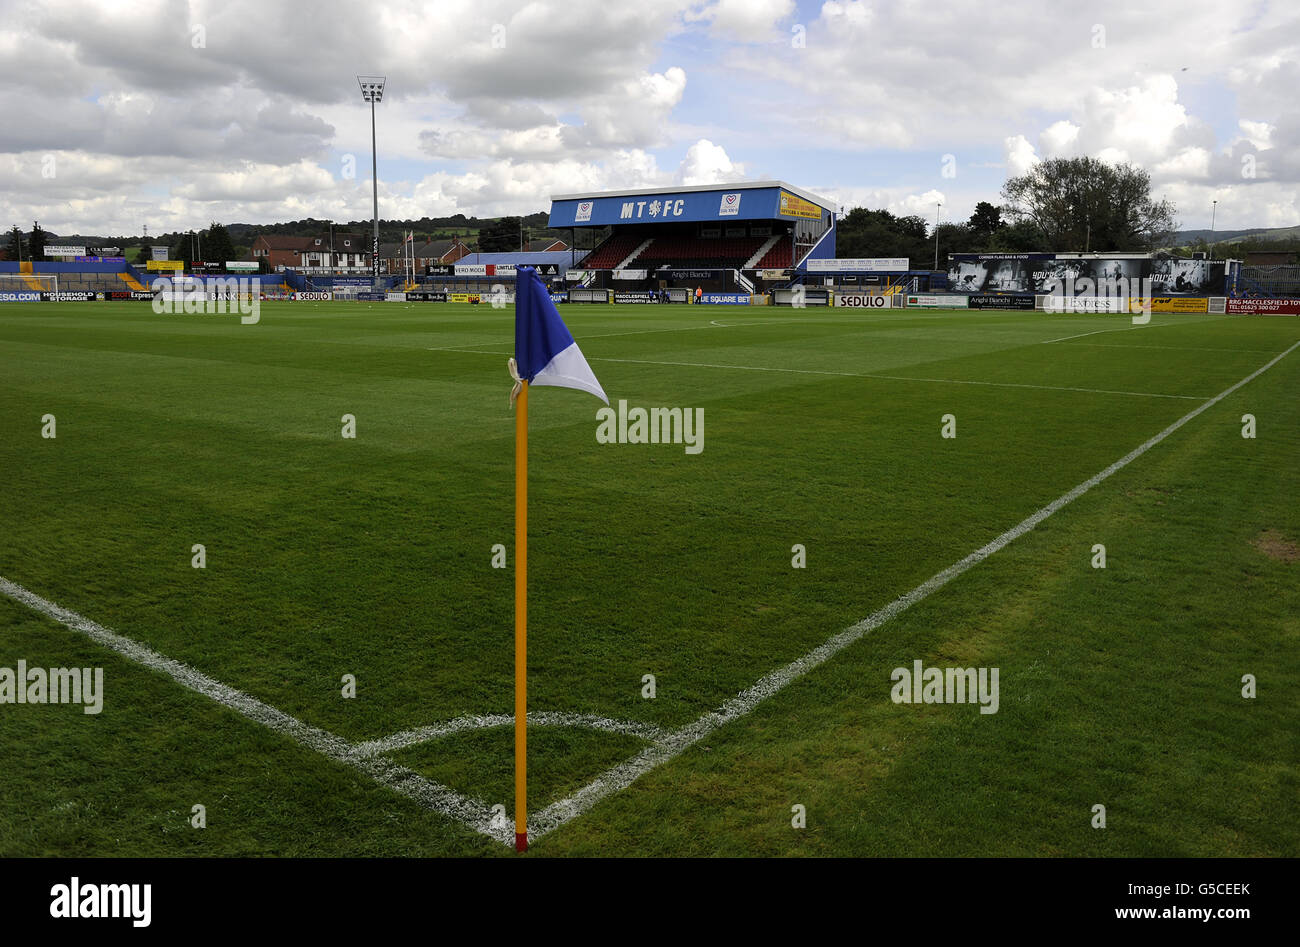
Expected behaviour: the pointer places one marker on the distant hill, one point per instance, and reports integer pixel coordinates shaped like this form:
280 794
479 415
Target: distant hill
77 240
390 231
1185 238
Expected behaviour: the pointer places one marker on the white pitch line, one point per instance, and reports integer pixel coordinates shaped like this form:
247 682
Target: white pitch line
813 371
711 325
478 815
937 381
470 812
613 335
1172 348
624 774
1084 335
851 322
541 718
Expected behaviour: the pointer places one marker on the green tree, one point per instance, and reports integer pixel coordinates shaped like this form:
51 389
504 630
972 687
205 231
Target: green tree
36 243
217 245
986 221
1084 203
16 251
955 238
1199 245
182 248
878 233
500 236
1023 236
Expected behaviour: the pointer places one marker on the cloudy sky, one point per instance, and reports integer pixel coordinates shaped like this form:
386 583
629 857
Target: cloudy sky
120 113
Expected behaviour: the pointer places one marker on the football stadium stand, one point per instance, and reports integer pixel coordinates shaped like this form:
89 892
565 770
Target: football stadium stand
83 277
111 277
733 237
480 272
684 250
780 256
617 248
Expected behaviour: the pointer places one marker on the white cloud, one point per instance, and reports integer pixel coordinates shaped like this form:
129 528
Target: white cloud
1259 134
1263 205
707 163
1019 155
851 13
1059 140
748 21
852 131
494 104
257 182
1187 164
920 205
897 201
1144 121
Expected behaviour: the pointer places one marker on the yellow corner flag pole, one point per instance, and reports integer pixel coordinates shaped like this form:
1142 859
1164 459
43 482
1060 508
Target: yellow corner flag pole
521 619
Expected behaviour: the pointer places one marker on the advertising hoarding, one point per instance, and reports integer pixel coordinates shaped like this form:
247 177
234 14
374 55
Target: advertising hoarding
860 265
1016 301
1169 304
792 205
862 301
938 301
1285 307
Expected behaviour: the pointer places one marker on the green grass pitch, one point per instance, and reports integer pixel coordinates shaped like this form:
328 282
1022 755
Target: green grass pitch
371 556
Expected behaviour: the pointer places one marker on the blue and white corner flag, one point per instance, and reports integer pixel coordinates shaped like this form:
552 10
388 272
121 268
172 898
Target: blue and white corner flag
545 353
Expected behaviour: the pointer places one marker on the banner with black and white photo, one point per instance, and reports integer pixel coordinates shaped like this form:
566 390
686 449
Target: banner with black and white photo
1056 276
994 272
1051 273
1170 277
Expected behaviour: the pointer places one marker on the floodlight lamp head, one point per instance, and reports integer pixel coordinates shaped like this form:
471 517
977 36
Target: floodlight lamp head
372 88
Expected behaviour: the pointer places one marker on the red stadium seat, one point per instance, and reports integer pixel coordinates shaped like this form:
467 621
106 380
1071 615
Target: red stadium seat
612 252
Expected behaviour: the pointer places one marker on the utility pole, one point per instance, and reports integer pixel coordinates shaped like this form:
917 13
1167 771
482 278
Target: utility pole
1214 206
936 233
